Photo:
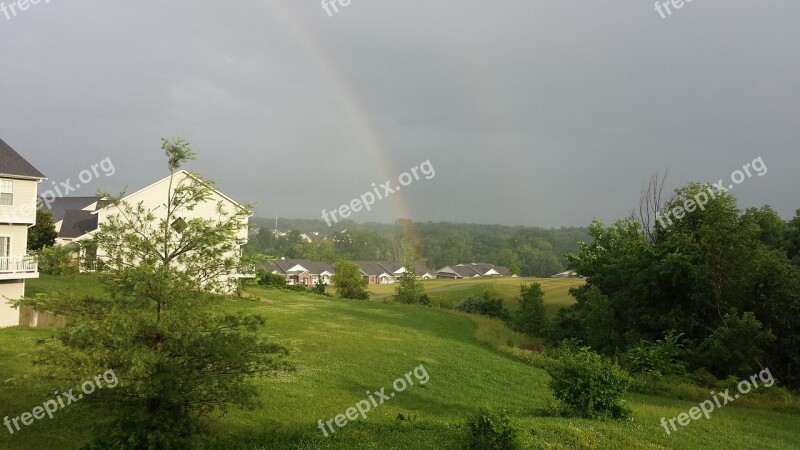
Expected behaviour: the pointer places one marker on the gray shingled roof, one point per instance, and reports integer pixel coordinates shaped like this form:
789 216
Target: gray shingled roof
283 266
77 223
11 163
60 206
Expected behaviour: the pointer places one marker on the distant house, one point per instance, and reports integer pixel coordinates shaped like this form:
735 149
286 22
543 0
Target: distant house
313 237
382 272
301 272
19 183
60 206
77 213
77 218
473 270
567 274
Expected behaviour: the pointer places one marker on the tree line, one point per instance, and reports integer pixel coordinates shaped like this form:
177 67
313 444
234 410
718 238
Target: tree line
527 251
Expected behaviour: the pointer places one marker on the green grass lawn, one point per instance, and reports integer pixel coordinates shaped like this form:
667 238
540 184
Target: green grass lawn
342 349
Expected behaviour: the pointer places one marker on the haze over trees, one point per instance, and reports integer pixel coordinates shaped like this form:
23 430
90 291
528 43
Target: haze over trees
527 251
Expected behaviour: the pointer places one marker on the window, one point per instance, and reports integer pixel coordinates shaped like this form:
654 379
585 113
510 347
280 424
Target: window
6 192
5 247
180 225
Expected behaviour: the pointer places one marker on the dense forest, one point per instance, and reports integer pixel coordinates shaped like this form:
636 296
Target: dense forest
528 251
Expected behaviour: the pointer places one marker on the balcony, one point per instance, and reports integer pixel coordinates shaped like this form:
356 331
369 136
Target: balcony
18 268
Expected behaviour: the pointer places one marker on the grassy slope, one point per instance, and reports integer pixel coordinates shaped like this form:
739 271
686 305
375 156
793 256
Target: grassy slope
344 348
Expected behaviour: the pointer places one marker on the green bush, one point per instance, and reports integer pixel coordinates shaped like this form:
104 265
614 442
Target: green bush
485 306
319 288
269 279
589 387
410 290
491 431
57 261
662 357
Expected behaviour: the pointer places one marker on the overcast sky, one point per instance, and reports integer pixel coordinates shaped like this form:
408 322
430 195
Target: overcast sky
543 113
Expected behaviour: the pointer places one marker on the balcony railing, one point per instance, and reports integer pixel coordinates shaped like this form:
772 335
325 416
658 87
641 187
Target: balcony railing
18 265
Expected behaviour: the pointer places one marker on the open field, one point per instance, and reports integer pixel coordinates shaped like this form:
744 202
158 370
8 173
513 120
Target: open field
343 348
448 293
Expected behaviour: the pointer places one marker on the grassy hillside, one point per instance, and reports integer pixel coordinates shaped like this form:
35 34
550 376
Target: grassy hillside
342 349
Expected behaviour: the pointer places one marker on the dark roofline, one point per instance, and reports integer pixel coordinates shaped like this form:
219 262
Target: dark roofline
12 164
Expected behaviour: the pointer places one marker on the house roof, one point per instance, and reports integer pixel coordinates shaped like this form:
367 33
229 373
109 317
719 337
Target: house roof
421 269
77 223
60 206
284 265
483 268
187 174
376 268
11 163
473 269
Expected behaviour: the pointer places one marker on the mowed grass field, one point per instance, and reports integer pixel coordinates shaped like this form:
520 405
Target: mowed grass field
341 349
448 293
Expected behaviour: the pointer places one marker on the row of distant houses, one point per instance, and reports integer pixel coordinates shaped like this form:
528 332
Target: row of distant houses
304 272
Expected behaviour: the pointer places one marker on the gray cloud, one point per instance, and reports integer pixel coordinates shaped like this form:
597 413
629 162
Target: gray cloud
537 113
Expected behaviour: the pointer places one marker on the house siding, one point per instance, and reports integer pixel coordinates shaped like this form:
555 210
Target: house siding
10 290
23 211
154 198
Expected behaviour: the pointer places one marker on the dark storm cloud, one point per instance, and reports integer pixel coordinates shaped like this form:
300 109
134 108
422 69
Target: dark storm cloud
538 113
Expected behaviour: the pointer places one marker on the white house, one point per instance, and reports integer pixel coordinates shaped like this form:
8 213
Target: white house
77 225
19 182
473 270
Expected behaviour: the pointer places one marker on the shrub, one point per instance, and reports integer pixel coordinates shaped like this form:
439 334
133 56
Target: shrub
489 431
269 279
589 387
659 358
57 261
410 290
425 300
319 288
485 306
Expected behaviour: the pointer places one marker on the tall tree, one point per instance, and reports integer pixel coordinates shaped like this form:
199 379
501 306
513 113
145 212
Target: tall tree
43 234
531 318
349 283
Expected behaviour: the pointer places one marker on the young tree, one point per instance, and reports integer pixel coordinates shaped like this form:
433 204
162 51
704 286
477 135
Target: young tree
204 248
349 283
178 358
531 318
410 290
43 234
